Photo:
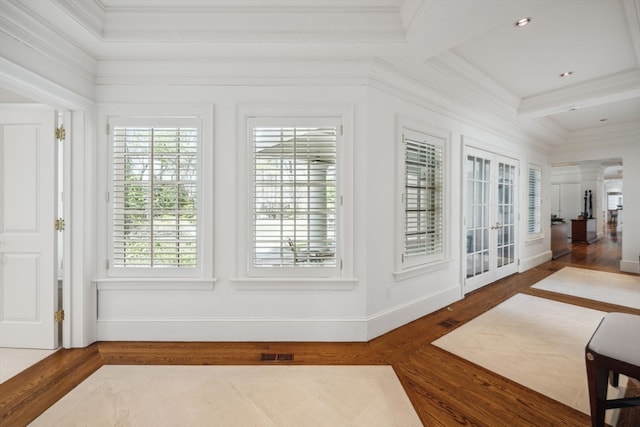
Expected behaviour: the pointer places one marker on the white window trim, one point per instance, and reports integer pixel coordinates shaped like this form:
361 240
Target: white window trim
344 243
117 112
536 235
428 263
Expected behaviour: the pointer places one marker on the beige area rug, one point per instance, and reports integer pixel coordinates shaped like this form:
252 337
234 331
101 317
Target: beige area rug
619 289
235 396
536 342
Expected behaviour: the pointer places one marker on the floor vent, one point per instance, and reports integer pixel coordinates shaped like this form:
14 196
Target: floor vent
274 357
449 323
285 356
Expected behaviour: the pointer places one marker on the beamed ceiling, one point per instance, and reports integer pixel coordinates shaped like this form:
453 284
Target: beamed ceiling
471 42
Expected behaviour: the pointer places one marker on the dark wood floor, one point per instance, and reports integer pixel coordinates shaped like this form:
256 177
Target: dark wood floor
444 389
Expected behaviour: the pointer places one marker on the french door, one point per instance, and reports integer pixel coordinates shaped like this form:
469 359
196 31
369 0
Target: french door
491 190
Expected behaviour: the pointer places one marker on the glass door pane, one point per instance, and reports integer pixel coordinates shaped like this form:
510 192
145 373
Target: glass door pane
506 215
478 215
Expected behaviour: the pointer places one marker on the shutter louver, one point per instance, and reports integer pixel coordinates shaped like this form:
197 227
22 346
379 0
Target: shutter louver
423 198
534 201
154 196
294 196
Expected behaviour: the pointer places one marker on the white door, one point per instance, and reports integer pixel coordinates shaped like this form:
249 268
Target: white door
28 195
490 217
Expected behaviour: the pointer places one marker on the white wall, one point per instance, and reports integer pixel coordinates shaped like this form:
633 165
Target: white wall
392 298
376 300
234 308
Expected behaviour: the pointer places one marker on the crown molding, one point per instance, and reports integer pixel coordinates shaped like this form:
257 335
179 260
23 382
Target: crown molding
416 83
615 87
39 88
468 76
611 135
90 14
632 12
411 14
238 21
256 26
234 72
435 95
473 87
112 5
603 142
20 23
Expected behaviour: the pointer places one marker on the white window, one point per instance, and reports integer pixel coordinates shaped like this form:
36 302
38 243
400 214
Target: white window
422 198
534 200
154 192
294 196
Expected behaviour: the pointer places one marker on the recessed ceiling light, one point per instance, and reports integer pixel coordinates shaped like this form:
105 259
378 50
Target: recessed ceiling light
566 74
522 22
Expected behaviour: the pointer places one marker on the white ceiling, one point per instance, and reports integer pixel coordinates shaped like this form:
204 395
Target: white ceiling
472 41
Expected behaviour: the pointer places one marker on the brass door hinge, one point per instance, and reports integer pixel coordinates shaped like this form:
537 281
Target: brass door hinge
61 133
58 316
59 224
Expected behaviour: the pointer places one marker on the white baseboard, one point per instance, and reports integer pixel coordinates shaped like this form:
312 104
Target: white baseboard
529 263
337 330
231 330
395 317
630 266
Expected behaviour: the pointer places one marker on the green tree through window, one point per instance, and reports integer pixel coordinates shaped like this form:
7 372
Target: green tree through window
155 183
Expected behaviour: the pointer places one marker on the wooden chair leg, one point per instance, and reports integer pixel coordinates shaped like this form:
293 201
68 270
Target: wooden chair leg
598 384
614 378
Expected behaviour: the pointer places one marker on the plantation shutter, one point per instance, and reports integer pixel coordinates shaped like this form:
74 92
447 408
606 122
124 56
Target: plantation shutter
423 197
294 195
534 202
154 195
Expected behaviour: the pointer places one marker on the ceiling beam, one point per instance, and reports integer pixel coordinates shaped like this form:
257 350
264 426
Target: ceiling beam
612 88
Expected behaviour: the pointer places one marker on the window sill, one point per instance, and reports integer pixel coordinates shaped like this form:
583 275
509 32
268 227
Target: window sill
419 270
148 284
293 284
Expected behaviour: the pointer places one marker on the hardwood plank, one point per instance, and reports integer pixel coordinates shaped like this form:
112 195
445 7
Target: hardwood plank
431 372
583 302
223 353
27 395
